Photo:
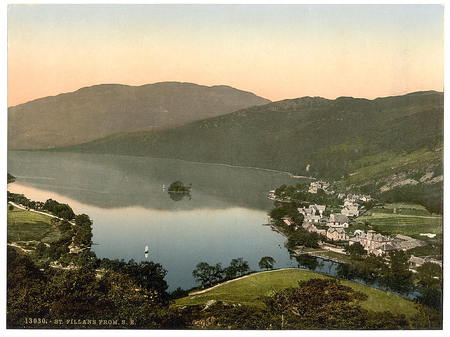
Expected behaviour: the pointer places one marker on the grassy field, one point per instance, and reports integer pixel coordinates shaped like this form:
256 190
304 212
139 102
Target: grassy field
29 226
400 218
250 289
402 208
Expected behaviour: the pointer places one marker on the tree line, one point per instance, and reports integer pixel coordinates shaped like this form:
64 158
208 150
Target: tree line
208 275
61 210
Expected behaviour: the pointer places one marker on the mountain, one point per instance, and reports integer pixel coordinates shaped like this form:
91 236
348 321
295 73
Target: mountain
373 145
101 110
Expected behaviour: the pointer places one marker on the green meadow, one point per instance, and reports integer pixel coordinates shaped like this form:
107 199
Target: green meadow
250 289
402 218
29 226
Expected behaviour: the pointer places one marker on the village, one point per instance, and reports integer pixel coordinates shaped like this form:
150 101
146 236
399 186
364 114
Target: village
336 227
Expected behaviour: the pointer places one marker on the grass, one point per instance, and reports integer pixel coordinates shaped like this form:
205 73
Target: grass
406 206
381 164
402 209
408 219
29 226
250 289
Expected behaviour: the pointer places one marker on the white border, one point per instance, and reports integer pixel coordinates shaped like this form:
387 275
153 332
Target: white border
189 333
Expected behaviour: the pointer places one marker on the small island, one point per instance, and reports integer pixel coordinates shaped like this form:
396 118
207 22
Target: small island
177 190
179 187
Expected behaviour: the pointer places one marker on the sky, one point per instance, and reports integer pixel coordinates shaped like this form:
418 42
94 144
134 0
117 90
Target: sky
274 51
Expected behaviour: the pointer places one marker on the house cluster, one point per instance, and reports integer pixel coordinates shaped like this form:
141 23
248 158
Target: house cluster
378 244
354 197
332 227
312 213
316 185
271 195
350 209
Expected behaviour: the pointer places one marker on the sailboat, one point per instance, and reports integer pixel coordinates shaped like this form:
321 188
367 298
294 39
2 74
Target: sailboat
146 251
164 187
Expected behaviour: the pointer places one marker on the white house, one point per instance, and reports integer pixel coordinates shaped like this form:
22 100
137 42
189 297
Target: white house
312 210
337 234
312 218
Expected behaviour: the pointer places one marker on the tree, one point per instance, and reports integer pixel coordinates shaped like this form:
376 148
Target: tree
266 262
83 220
11 178
308 261
429 275
61 210
279 192
303 238
355 249
431 297
83 237
398 276
24 288
317 304
40 249
179 187
150 276
237 267
277 213
208 275
178 293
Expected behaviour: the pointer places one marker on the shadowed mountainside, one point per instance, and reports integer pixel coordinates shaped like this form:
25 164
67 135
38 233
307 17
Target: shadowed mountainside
101 110
309 135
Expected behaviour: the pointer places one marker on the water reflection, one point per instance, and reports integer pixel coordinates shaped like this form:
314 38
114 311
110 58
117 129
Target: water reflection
112 181
130 209
308 262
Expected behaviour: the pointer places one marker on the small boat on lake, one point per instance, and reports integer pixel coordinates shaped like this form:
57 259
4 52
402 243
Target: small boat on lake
146 251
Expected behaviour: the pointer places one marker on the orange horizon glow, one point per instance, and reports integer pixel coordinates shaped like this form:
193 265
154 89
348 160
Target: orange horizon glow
277 52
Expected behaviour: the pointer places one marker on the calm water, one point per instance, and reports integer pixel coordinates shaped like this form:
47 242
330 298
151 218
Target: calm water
124 197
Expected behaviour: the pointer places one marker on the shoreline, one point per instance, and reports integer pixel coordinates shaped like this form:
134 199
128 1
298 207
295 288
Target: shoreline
291 175
296 253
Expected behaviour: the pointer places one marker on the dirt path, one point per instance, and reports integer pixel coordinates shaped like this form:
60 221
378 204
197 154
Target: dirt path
38 212
13 244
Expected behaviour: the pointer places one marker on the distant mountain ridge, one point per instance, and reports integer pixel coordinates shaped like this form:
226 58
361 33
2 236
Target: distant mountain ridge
97 111
381 143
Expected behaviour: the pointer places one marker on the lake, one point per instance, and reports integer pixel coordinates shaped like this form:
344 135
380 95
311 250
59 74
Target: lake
124 196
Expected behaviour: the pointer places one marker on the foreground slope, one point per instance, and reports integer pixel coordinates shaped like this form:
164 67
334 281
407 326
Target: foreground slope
98 111
249 290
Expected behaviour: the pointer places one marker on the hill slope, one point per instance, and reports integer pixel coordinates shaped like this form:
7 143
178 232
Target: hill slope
98 111
250 289
390 142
